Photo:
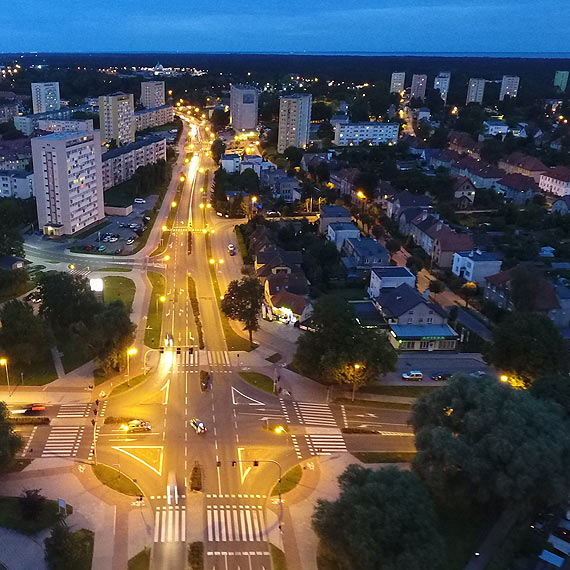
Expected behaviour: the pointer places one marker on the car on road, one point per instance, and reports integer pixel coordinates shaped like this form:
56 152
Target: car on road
113 239
130 241
478 373
101 248
33 409
89 247
140 201
198 426
205 380
441 376
415 375
168 339
136 425
231 249
34 297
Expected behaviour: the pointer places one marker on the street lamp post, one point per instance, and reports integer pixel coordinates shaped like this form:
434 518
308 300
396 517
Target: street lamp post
356 369
253 201
162 299
4 363
131 352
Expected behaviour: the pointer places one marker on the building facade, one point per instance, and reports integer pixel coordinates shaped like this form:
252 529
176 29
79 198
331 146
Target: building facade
119 165
27 123
294 120
45 97
398 81
475 265
117 120
509 86
154 117
16 184
372 132
8 111
561 80
441 82
556 181
152 94
243 107
475 91
418 89
68 182
59 125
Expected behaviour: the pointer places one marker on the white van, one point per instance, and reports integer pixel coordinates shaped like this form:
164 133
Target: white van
413 375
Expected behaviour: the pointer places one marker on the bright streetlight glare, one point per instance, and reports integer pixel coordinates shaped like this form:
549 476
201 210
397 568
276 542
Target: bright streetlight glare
254 198
166 257
3 361
132 351
182 178
162 298
212 261
164 228
173 204
201 206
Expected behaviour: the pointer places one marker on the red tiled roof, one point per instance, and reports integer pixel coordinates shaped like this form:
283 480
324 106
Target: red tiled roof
463 140
526 162
561 173
294 302
448 239
519 182
500 278
480 168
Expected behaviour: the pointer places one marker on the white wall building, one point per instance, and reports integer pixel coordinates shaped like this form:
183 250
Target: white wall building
154 117
389 278
441 82
418 89
16 184
119 165
243 107
294 120
230 163
59 125
475 91
68 182
45 97
509 86
152 94
27 123
337 232
493 128
398 81
355 133
475 265
556 181
116 116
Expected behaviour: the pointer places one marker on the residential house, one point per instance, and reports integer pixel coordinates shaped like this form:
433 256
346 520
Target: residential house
11 262
463 193
312 159
337 232
344 181
444 158
415 323
230 163
476 265
493 128
404 200
464 143
361 254
406 218
481 174
389 277
446 242
520 163
272 260
556 181
561 205
287 308
419 228
384 192
517 188
330 214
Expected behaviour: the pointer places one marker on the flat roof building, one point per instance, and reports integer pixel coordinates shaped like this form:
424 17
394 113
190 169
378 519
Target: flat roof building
152 94
475 91
418 89
294 120
441 82
117 118
243 107
509 86
45 97
397 82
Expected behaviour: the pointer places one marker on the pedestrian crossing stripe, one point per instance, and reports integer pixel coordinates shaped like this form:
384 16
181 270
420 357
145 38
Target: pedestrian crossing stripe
63 441
235 523
284 408
238 553
234 496
170 524
73 411
95 437
325 444
296 446
218 357
314 414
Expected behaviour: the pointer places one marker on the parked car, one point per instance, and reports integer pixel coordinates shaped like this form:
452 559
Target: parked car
415 375
130 241
441 376
113 239
101 248
89 247
118 251
232 249
140 201
34 297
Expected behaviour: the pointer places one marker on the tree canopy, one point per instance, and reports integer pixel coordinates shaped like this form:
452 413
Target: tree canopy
528 345
481 441
243 301
10 441
383 520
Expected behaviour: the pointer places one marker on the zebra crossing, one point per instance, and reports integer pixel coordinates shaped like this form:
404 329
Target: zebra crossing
314 414
218 358
170 524
73 411
63 441
235 523
325 444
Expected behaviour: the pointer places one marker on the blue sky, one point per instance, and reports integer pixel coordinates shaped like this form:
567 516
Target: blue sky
291 25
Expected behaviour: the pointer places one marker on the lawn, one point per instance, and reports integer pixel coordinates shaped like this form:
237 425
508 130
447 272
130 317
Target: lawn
350 293
18 290
40 376
11 516
374 404
274 358
119 289
385 456
116 480
120 195
259 381
165 235
289 481
127 385
140 561
403 391
153 334
116 269
278 561
75 352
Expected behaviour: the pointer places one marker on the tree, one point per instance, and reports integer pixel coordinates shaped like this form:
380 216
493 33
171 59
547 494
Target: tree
325 131
293 155
414 264
468 290
479 441
393 246
243 301
66 549
32 503
525 288
321 111
218 148
555 388
527 346
219 119
382 519
322 173
10 441
248 181
436 286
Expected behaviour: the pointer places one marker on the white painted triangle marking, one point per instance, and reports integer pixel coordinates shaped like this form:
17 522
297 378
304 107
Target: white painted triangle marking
252 401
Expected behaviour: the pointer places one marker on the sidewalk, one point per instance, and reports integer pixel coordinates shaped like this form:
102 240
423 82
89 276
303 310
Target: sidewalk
121 530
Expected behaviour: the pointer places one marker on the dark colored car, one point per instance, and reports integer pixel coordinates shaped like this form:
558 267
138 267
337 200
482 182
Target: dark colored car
441 376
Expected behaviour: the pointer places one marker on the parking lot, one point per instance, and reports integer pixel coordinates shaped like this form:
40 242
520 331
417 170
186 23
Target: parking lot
120 236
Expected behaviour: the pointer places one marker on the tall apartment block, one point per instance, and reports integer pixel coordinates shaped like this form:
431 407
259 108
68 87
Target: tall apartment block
475 91
398 81
294 120
117 118
45 97
152 94
243 107
509 86
68 181
441 82
561 80
418 90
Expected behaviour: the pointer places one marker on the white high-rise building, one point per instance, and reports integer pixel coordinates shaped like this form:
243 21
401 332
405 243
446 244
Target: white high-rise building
509 86
117 118
152 94
45 97
68 181
475 91
561 80
418 90
243 107
398 81
294 120
441 82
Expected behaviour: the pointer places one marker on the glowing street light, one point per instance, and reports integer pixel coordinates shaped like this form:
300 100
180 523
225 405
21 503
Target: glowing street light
182 178
162 299
164 228
4 363
201 206
167 257
173 204
131 352
212 261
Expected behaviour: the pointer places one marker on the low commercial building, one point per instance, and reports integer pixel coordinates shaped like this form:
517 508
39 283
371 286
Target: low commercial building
154 117
230 163
476 265
353 134
119 165
27 123
493 128
16 184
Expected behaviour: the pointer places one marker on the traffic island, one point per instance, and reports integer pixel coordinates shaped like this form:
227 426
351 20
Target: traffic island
140 561
196 556
259 381
116 480
289 481
278 561
153 332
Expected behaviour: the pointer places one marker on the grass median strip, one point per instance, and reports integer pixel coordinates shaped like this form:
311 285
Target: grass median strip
128 384
402 391
278 560
196 310
289 481
274 358
375 404
140 561
116 269
259 381
165 235
116 480
384 456
153 332
117 288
